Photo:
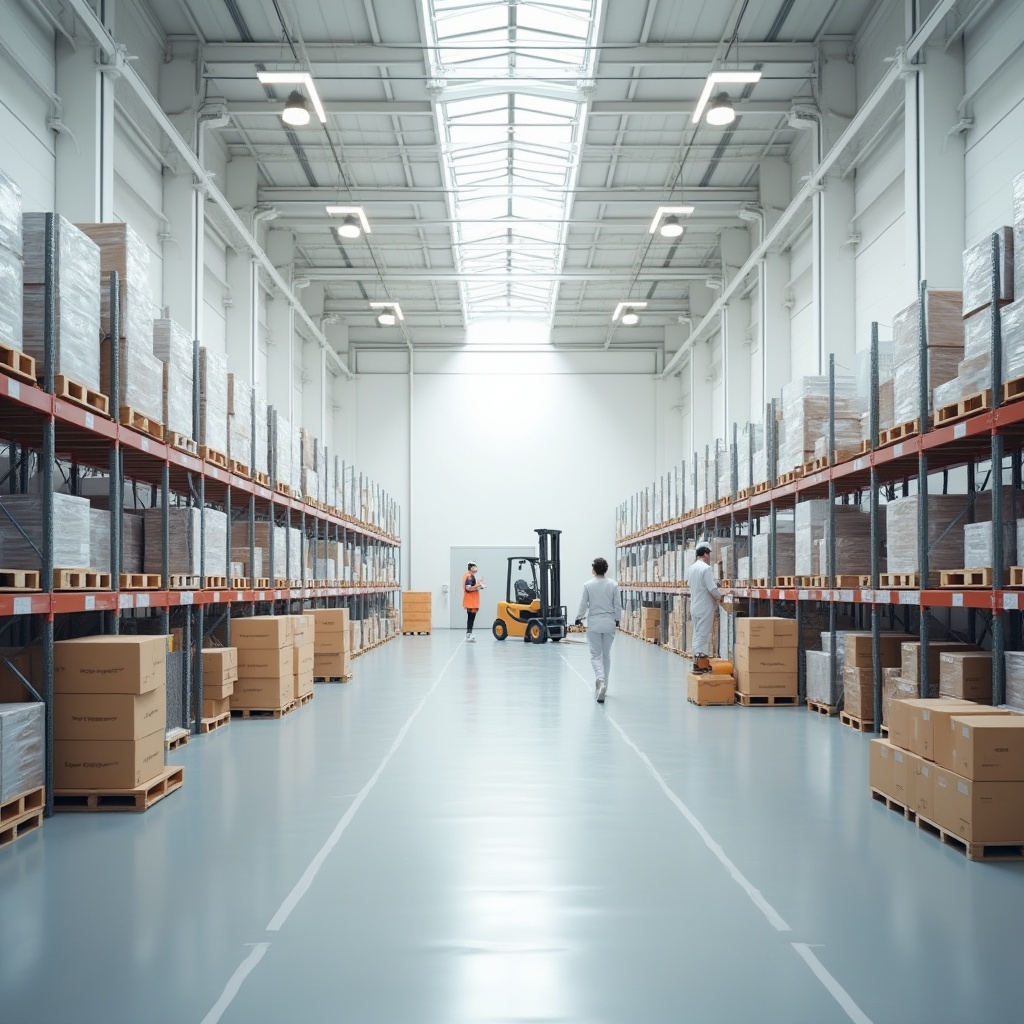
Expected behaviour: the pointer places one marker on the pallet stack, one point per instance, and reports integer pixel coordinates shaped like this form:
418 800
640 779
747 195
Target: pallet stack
11 273
22 769
220 673
416 611
766 668
303 670
859 677
332 645
266 666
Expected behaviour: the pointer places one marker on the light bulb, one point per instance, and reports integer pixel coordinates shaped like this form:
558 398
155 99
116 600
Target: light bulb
720 112
386 319
295 110
349 228
630 319
670 227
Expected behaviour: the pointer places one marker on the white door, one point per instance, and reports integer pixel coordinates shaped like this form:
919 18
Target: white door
493 570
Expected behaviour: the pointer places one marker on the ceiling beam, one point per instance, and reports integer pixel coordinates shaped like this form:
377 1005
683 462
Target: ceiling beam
283 194
625 274
320 222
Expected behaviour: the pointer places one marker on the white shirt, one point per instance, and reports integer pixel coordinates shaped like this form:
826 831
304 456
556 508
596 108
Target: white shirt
600 604
704 592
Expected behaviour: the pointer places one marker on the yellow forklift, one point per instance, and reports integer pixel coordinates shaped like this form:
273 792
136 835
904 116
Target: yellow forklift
532 607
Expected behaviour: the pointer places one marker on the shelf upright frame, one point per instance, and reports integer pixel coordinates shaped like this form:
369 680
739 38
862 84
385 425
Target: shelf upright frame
49 455
830 554
116 489
876 612
998 636
922 484
773 512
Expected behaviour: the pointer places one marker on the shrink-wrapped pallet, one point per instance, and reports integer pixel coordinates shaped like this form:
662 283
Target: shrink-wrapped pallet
184 533
240 421
945 541
70 539
260 433
701 488
11 273
10 215
99 540
280 449
750 441
213 400
307 448
140 377
809 528
1018 235
944 319
805 412
848 436
310 484
22 749
215 523
77 322
173 346
978 272
818 675
853 542
1014 661
895 687
859 692
978 546
724 472
743 567
785 553
132 540
296 475
943 365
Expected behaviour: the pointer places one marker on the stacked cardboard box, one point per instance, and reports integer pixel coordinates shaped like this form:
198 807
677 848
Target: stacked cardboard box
20 545
11 272
805 412
332 644
858 672
651 623
220 673
710 688
967 675
184 534
957 765
109 711
766 657
416 613
266 662
22 749
304 642
945 541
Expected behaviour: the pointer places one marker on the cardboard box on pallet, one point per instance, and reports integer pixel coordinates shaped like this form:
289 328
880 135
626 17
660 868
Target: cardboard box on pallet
709 688
766 656
108 716
108 764
967 675
265 662
214 707
902 776
988 748
332 631
910 661
880 766
110 664
332 665
979 812
766 633
911 722
269 632
858 649
264 692
22 747
924 787
220 673
859 692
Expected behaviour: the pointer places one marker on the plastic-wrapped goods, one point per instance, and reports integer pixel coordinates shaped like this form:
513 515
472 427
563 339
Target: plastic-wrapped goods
885 364
725 472
296 479
132 535
743 568
702 481
848 436
184 533
141 379
943 365
11 298
22 749
820 687
99 540
809 519
216 543
310 484
943 313
77 325
281 449
895 687
785 554
70 540
859 692
751 438
1014 680
853 542
10 215
978 272
294 550
945 541
239 420
978 335
1012 323
172 345
260 433
213 400
805 412
978 545
307 447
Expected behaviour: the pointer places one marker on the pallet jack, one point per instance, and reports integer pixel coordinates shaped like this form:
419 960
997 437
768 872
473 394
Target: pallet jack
533 607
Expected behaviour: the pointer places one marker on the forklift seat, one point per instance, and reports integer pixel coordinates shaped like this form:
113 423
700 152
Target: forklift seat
525 594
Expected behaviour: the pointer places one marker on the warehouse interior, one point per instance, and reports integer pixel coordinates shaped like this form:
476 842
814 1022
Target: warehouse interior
316 315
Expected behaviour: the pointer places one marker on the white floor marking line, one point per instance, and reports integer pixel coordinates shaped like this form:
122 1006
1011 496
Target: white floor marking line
310 873
759 901
235 982
838 993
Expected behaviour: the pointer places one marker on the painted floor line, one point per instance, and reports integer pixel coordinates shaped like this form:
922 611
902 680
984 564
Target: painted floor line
838 993
245 968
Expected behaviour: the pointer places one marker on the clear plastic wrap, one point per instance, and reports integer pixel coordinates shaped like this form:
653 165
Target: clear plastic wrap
240 420
978 272
99 540
1012 324
945 541
215 523
307 447
785 554
945 325
310 484
809 521
702 481
750 440
77 325
213 400
859 692
70 541
819 678
1015 680
10 215
943 365
260 433
294 535
172 345
724 472
183 530
281 445
895 687
11 298
296 475
853 542
885 364
743 567
22 749
978 335
805 409
131 543
141 378
978 545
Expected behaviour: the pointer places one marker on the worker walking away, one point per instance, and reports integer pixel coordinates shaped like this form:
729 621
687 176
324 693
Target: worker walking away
471 588
705 597
602 608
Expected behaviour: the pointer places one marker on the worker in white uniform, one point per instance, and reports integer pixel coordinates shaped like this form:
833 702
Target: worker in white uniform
602 608
705 597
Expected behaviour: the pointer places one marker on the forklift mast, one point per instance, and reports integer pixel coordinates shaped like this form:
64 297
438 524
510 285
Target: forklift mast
550 570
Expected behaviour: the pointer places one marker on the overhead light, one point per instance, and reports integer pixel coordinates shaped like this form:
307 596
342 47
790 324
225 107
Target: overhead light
630 319
390 313
624 311
303 78
667 212
386 319
720 112
717 78
670 227
355 217
295 110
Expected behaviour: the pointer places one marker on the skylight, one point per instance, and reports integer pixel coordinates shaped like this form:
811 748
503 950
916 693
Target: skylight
510 111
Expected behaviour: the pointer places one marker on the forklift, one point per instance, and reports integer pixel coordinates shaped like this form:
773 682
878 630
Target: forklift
532 607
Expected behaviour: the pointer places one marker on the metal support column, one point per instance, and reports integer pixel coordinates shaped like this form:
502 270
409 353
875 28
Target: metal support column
115 490
876 614
922 482
830 556
165 530
773 475
998 637
227 567
48 455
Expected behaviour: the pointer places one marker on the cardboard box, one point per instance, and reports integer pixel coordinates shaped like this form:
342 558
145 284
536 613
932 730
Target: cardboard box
261 632
215 707
880 761
263 693
859 692
924 788
331 666
265 663
858 649
303 661
910 659
107 764
765 632
902 776
943 729
218 691
925 712
979 812
709 688
967 675
303 630
220 663
332 630
988 748
765 684
901 718
302 684
110 664
109 716
766 660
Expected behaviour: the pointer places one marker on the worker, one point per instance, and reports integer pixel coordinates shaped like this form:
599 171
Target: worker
603 610
471 588
705 597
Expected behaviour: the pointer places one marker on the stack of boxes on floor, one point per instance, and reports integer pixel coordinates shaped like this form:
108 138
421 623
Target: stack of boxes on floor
416 613
22 768
266 662
220 673
765 664
858 674
651 623
109 712
304 643
332 645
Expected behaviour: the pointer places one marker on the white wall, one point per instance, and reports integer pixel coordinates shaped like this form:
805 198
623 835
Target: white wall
803 325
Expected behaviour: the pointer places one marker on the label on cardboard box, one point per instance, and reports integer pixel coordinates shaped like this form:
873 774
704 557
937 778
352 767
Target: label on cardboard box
109 716
107 764
110 664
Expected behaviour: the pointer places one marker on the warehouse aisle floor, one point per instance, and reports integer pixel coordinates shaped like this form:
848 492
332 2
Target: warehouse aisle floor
463 835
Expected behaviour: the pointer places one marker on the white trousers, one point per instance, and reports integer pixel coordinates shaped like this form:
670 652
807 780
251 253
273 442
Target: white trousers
702 634
600 653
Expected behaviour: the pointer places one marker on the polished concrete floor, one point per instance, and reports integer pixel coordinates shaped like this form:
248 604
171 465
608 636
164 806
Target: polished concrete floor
463 835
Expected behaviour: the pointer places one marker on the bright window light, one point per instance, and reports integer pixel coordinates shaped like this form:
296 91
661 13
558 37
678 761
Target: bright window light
296 78
717 78
514 334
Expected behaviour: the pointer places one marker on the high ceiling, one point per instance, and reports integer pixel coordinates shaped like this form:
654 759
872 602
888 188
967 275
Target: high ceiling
509 154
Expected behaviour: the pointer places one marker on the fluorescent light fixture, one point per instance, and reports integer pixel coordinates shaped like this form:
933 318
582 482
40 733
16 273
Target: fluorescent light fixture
669 211
720 111
717 78
296 78
624 306
350 211
390 313
296 111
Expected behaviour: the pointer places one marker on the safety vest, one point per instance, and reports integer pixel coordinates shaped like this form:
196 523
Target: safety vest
470 598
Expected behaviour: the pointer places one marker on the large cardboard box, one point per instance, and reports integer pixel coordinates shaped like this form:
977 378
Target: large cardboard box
988 748
215 707
303 660
858 649
924 788
261 632
759 660
910 659
332 630
903 780
710 688
302 683
110 664
220 663
109 716
303 630
880 765
859 692
765 684
765 633
944 729
979 812
107 764
336 665
265 663
265 693
925 712
218 691
967 675
902 714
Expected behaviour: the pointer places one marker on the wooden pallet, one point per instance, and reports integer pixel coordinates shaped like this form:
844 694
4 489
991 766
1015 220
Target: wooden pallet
129 417
16 363
785 582
18 579
899 580
180 581
239 468
1013 390
15 828
744 494
1016 577
419 632
855 723
762 487
865 447
283 489
80 579
969 405
239 582
216 582
261 583
884 732
141 798
972 851
792 476
900 432
212 456
822 709
263 712
761 583
819 582
966 579
303 700
333 679
183 443
710 703
71 391
140 581
23 804
263 479
211 724
893 805
754 700
818 464
851 581
179 738
281 583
